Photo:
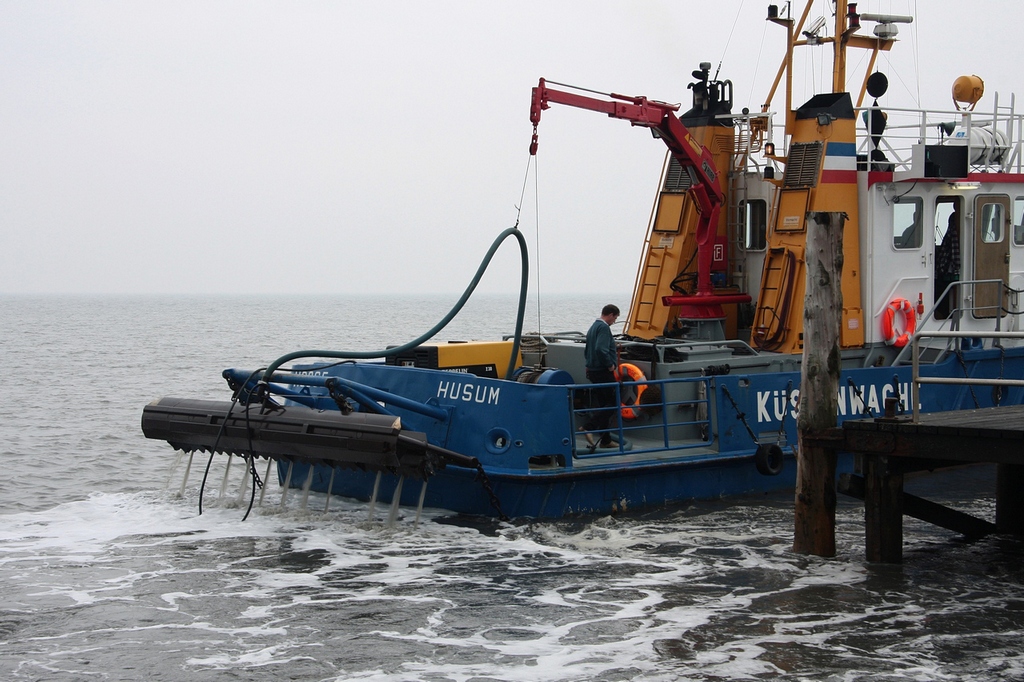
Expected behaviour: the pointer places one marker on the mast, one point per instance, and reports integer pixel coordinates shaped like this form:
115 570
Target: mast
847 27
839 48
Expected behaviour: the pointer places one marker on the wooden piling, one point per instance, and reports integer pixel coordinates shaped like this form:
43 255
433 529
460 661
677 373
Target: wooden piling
815 510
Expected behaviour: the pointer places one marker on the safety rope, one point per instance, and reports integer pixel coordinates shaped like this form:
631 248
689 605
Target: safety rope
865 408
899 395
533 343
963 365
481 476
740 414
785 411
256 482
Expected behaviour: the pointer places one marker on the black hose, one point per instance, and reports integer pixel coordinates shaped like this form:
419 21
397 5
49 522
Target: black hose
220 432
397 350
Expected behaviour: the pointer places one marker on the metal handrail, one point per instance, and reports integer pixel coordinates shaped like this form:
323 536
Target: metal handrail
907 127
621 428
917 379
956 314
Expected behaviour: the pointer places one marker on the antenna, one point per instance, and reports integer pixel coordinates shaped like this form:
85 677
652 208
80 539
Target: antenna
886 28
813 31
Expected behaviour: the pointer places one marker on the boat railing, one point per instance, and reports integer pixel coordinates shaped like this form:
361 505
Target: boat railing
664 420
662 346
753 130
917 380
993 138
737 346
547 337
957 314
660 350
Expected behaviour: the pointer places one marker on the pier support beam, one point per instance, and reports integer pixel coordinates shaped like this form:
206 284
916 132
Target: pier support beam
883 511
1010 499
969 526
815 512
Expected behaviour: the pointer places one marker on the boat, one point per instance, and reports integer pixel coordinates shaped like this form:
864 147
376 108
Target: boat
932 204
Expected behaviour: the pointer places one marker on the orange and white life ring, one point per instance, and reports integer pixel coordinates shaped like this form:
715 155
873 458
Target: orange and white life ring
630 393
906 309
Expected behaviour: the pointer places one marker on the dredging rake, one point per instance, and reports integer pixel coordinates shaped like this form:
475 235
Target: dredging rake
295 433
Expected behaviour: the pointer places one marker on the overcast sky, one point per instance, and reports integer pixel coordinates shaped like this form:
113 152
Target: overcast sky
328 147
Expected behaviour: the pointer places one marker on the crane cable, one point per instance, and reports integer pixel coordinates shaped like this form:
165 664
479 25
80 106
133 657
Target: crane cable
536 218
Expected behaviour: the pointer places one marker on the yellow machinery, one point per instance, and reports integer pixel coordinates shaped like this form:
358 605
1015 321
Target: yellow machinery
481 358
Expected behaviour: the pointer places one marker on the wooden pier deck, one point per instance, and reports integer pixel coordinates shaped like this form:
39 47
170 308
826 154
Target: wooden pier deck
890 447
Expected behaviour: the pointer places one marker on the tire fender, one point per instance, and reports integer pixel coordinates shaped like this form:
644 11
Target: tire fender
768 458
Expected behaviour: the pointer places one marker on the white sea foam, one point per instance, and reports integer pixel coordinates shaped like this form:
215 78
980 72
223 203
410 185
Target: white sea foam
543 601
105 574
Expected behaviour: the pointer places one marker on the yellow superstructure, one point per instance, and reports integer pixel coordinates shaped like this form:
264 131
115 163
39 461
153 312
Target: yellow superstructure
821 175
671 243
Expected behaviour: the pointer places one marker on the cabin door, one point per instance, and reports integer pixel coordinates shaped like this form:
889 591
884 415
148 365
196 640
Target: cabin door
991 253
946 264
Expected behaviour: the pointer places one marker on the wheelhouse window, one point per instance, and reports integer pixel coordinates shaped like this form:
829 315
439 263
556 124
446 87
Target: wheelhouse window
908 223
1018 221
992 223
755 224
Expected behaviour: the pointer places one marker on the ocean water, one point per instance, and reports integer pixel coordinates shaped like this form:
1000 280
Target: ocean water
108 573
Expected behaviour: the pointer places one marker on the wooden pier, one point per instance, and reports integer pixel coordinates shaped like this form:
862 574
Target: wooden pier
890 447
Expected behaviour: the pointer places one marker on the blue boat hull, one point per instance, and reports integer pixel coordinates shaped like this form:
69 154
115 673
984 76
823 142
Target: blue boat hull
563 494
743 409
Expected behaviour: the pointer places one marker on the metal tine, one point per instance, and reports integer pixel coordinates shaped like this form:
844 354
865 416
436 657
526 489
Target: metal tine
373 497
305 487
174 467
224 480
188 468
419 506
330 486
395 500
266 477
245 478
287 482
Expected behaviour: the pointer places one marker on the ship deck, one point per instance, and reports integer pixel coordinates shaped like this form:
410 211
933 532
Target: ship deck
637 451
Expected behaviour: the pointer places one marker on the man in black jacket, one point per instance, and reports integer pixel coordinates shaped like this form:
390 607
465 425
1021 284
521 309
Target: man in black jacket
602 359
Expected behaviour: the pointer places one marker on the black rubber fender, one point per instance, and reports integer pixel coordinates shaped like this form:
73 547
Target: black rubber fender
768 458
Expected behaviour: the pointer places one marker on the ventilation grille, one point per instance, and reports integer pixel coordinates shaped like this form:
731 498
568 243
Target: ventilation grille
678 178
803 165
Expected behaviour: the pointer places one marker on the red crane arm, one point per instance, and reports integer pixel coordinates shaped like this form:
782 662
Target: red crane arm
639 111
660 116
